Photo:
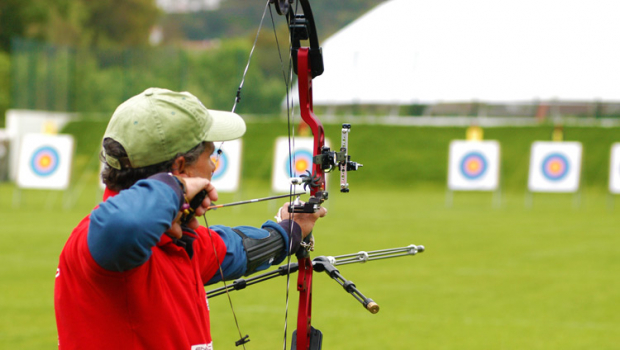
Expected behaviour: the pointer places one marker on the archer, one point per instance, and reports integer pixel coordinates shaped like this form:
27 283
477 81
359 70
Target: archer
131 274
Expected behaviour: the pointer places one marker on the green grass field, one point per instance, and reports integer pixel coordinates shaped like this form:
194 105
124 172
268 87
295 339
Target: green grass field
512 277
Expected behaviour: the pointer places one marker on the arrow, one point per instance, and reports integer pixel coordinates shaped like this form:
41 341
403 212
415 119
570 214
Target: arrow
253 200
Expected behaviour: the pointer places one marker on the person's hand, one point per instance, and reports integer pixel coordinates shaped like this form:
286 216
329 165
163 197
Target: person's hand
305 220
193 186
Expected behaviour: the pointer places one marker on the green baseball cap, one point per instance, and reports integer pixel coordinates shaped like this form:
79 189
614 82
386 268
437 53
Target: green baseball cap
158 124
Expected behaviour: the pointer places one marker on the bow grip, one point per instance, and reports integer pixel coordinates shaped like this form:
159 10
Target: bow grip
188 215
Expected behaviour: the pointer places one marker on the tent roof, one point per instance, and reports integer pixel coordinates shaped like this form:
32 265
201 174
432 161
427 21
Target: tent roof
420 51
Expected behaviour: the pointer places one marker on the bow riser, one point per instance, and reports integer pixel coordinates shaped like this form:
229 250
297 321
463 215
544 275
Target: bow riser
308 116
302 337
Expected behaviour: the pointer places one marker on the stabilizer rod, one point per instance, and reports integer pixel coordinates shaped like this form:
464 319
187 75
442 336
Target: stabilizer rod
322 263
241 283
326 264
363 257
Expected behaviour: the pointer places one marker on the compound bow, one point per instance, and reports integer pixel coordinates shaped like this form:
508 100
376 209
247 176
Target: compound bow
307 63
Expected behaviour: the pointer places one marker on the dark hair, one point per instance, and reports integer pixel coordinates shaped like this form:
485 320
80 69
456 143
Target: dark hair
124 178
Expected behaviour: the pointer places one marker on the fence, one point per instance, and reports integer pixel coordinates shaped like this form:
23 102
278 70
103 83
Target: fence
66 79
53 78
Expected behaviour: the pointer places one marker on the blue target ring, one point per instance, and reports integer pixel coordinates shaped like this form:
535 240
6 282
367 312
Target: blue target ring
300 161
555 167
221 165
44 161
473 165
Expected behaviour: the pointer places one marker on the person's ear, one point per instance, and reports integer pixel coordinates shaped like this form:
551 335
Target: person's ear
178 167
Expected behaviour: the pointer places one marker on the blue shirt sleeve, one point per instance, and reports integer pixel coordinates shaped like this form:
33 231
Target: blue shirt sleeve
124 228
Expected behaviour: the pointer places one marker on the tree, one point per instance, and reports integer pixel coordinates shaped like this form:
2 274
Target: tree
20 18
120 22
78 22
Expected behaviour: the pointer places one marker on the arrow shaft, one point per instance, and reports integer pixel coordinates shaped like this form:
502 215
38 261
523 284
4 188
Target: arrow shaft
254 200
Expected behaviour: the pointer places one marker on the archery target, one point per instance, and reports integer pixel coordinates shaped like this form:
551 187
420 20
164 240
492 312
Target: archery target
473 165
614 172
45 161
227 166
297 163
221 165
555 166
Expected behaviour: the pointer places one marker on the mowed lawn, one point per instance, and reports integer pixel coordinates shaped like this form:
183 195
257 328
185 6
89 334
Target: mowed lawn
508 277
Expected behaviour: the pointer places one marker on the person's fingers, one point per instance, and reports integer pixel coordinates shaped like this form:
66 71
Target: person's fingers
195 185
203 207
283 213
193 223
211 193
175 230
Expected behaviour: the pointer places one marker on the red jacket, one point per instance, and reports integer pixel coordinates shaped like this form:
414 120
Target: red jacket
147 307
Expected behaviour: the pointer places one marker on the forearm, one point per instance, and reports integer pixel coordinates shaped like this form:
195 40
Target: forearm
250 249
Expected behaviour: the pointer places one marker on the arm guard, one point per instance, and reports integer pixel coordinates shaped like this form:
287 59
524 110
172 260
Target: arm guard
263 250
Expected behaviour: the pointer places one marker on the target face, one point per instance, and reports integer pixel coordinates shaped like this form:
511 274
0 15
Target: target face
286 165
221 164
473 165
555 167
44 161
299 163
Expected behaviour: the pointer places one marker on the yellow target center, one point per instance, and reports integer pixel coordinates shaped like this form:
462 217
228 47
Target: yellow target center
45 161
555 167
473 166
301 165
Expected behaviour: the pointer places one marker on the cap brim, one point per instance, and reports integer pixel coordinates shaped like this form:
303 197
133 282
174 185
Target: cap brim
226 126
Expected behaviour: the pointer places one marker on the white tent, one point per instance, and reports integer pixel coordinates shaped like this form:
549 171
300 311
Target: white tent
497 51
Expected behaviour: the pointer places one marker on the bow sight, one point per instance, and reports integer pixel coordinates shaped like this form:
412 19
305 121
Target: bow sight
344 159
327 161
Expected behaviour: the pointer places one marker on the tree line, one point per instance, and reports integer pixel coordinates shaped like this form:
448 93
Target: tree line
102 29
